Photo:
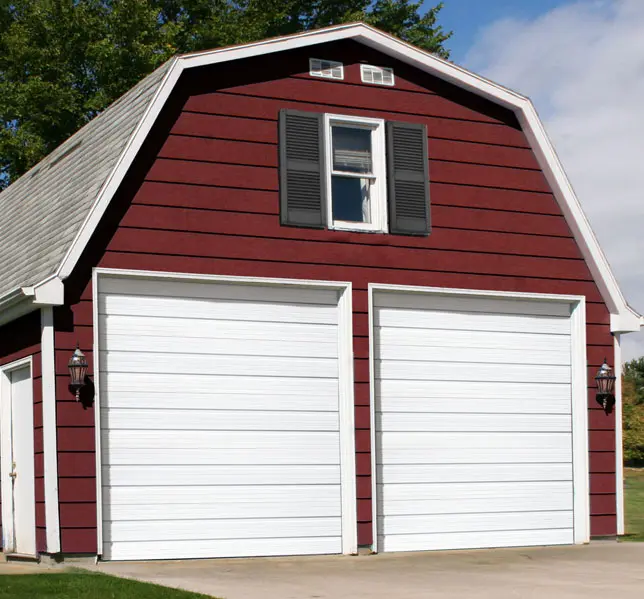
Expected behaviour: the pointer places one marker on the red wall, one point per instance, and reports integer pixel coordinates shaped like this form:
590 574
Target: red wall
19 339
203 198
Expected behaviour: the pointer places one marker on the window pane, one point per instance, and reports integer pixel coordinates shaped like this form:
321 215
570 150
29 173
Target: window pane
352 150
350 196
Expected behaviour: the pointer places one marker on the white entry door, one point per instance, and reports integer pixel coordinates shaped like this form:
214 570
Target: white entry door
18 492
474 432
220 420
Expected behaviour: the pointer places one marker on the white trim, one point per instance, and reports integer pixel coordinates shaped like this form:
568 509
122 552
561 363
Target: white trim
6 452
378 191
580 457
581 517
97 413
619 437
625 318
372 424
345 374
49 431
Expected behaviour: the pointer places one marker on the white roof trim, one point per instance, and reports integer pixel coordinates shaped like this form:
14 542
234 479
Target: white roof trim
623 318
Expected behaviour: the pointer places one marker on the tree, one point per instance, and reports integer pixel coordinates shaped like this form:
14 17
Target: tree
64 61
633 412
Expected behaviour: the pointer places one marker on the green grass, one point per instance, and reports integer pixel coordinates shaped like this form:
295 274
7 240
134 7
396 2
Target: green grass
83 585
634 500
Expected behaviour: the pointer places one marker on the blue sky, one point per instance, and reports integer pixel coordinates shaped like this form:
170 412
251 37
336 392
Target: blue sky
467 17
582 64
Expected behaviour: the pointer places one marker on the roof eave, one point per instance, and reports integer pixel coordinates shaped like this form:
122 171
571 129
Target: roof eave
23 300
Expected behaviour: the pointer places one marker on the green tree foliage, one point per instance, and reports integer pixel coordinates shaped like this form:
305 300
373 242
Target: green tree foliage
633 412
63 61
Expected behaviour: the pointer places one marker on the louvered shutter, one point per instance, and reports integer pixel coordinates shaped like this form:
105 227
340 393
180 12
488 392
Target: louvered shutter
407 179
302 181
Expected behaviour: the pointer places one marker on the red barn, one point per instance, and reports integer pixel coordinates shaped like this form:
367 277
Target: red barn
334 292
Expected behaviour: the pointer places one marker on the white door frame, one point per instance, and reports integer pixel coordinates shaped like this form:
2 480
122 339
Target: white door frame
6 453
345 378
581 484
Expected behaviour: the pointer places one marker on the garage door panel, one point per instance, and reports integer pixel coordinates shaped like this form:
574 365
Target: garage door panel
434 319
212 290
151 363
489 305
214 509
213 330
177 530
388 339
221 347
475 540
222 494
186 309
509 355
146 475
474 422
230 441
242 456
431 473
484 455
218 387
480 522
470 371
447 441
224 548
473 505
454 492
220 420
479 391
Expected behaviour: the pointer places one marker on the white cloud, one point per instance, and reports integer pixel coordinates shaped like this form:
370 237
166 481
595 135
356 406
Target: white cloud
583 66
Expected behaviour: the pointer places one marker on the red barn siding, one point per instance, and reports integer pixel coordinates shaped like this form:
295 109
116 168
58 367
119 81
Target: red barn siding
20 339
204 199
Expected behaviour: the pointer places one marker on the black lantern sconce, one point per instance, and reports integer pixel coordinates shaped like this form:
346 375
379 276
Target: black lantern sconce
77 371
605 380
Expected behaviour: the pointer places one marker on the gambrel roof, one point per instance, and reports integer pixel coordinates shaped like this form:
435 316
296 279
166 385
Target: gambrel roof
52 211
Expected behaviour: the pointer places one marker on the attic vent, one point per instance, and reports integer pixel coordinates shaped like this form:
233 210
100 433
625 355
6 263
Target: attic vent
326 68
376 75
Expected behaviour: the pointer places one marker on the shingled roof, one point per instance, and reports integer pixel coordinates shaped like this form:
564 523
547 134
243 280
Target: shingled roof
44 209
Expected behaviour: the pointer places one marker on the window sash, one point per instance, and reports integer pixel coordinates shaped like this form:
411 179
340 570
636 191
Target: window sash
377 176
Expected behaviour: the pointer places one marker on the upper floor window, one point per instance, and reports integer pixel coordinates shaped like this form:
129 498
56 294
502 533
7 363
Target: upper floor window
356 179
353 173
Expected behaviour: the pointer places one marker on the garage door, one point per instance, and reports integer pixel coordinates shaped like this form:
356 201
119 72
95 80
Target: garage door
473 422
219 420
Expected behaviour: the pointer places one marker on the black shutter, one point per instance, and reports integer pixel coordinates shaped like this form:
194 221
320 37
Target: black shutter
407 179
302 176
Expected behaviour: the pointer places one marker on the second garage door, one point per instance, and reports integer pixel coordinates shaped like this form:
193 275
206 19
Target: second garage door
219 418
473 422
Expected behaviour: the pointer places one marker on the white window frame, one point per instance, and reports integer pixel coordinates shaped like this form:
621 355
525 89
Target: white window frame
378 190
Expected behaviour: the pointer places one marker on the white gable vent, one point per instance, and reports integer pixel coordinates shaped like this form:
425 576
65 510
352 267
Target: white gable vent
376 75
326 68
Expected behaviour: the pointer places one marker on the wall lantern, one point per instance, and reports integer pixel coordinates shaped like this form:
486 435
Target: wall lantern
605 380
77 370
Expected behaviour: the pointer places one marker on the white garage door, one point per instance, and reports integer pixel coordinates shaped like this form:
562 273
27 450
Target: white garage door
473 421
219 419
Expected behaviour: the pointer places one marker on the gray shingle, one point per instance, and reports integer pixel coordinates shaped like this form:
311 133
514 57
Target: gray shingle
43 210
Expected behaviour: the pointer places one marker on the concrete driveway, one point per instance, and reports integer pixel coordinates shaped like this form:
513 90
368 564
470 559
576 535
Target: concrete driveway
600 570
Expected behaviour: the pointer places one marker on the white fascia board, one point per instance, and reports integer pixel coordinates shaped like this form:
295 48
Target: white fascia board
15 304
625 318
